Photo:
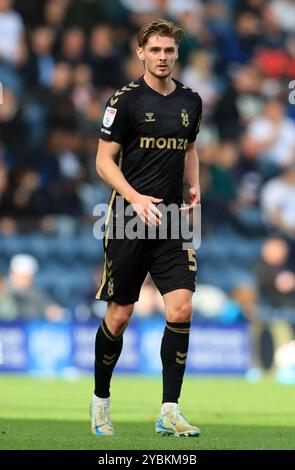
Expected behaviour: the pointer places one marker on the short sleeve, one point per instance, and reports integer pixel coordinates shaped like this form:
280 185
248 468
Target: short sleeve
115 121
196 124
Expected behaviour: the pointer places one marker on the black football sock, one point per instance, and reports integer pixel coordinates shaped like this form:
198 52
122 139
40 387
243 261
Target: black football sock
174 349
107 352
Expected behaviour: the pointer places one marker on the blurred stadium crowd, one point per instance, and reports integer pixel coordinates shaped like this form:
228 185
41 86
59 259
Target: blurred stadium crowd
59 62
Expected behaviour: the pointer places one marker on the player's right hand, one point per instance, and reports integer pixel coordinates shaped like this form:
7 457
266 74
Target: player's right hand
145 207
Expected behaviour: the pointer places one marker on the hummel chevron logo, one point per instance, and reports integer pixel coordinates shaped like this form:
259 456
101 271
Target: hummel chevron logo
182 356
108 363
108 360
110 357
180 361
128 87
109 263
179 354
133 85
118 93
113 101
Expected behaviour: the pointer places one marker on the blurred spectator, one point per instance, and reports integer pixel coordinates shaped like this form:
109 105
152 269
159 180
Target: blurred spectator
40 67
30 302
12 42
83 91
239 103
199 76
220 192
104 58
69 165
219 17
8 307
284 10
274 58
270 139
273 36
192 20
12 124
54 14
73 46
245 37
276 280
278 201
24 192
60 108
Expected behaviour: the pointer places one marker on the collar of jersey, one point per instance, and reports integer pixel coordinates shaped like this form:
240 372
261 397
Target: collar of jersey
174 92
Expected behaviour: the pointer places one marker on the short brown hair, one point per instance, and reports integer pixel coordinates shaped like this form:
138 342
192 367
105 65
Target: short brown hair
160 27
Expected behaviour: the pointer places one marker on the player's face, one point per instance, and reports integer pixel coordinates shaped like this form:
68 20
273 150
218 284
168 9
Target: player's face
159 55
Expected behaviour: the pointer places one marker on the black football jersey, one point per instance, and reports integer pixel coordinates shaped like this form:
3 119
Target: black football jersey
154 131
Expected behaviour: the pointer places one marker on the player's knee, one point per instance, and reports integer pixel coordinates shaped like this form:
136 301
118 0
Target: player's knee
180 313
118 317
121 320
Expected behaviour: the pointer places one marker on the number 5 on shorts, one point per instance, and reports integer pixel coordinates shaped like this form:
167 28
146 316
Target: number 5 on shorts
192 259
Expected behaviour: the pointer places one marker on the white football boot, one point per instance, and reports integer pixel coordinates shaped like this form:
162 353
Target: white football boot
101 424
172 422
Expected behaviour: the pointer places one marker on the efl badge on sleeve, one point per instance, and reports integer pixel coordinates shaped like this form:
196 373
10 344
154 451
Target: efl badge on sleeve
109 116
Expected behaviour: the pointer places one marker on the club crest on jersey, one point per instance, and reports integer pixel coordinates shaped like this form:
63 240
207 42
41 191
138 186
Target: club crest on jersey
184 117
111 287
109 116
149 117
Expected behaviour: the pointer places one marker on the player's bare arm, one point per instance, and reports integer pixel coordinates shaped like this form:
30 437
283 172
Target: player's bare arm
191 175
109 171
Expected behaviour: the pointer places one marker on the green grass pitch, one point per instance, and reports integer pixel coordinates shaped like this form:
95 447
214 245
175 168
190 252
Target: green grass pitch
232 414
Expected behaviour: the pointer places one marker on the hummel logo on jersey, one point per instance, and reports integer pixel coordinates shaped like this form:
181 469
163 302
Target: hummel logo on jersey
113 101
149 117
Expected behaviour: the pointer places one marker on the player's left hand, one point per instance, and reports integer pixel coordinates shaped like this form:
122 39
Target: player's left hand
194 198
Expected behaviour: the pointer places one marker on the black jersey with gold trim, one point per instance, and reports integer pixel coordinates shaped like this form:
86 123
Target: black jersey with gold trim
154 131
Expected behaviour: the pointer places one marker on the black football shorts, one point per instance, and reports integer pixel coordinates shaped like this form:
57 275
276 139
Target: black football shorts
127 263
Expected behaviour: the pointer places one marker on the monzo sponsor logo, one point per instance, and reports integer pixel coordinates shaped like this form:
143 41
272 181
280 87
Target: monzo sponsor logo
162 142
